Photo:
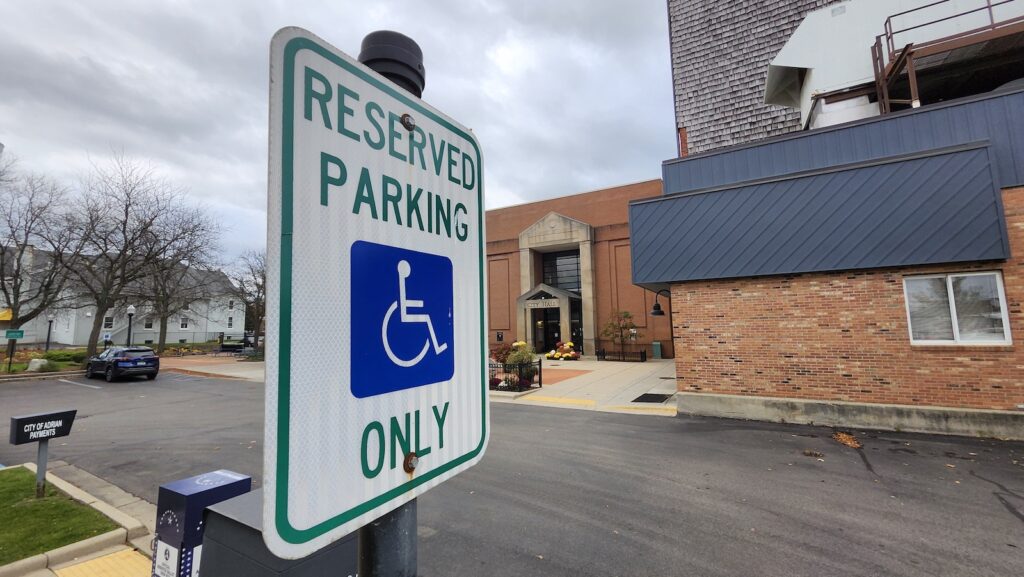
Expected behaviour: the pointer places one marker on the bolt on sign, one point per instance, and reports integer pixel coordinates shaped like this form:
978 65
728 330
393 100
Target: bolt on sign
376 336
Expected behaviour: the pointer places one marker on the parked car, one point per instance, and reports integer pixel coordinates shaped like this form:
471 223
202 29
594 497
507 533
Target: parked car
118 362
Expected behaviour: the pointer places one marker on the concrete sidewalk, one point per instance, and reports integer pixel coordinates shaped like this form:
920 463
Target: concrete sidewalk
585 384
607 386
215 366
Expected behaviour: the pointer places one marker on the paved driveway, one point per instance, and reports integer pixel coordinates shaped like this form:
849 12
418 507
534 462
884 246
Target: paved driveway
567 492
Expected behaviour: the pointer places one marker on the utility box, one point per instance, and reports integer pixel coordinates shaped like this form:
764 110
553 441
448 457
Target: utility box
656 349
179 519
233 546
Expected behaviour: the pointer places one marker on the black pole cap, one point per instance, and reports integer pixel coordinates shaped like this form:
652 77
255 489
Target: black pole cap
396 57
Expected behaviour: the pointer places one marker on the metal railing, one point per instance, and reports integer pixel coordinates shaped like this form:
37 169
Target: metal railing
890 34
619 354
515 377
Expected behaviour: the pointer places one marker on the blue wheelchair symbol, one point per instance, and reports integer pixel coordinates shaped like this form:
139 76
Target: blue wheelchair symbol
402 328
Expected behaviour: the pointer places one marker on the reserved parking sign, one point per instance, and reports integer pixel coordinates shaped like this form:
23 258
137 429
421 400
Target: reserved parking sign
376 336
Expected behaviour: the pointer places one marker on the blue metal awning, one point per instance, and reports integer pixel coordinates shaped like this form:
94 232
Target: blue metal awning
937 206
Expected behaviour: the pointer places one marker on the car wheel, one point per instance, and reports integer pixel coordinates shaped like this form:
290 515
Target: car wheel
88 371
109 375
151 377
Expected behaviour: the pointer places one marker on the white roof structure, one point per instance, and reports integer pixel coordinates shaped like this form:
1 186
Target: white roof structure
831 49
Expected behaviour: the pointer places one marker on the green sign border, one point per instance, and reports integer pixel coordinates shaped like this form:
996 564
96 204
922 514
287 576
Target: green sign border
284 527
14 334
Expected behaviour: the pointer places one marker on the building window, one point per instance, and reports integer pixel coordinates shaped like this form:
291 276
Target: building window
231 305
231 322
149 341
188 307
184 322
562 270
967 308
108 322
148 324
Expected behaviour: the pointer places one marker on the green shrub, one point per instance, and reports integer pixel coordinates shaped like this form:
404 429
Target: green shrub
520 354
523 355
67 356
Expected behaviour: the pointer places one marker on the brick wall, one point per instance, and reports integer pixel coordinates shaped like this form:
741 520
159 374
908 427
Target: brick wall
720 54
843 336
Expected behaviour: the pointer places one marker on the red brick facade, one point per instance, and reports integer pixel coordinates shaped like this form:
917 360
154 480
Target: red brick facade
843 336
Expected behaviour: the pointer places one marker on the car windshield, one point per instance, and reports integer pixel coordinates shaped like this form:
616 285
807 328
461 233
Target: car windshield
138 353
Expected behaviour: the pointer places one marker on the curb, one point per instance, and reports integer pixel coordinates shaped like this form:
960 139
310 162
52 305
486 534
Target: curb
133 527
130 529
205 374
40 376
510 394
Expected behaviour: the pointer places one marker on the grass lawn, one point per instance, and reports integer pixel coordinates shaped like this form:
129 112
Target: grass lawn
29 526
59 366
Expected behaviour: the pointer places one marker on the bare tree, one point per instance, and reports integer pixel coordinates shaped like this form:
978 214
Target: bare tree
131 223
250 280
37 246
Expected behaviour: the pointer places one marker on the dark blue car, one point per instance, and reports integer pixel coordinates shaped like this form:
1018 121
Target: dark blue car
117 362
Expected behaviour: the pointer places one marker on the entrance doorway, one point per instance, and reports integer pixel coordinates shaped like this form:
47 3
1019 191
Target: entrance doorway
546 328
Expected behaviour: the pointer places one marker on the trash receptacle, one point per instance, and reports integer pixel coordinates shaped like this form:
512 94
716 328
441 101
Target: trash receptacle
656 349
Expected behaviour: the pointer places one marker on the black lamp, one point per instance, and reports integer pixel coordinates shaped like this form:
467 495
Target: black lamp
656 309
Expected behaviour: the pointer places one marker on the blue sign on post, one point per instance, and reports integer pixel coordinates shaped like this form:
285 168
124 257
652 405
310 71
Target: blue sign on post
402 332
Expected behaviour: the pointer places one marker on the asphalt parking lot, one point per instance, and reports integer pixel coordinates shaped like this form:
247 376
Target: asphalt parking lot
569 492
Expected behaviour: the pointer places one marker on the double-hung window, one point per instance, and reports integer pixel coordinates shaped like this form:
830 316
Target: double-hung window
966 308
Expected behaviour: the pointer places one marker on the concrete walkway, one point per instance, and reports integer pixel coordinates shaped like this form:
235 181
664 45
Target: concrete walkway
215 366
607 386
585 384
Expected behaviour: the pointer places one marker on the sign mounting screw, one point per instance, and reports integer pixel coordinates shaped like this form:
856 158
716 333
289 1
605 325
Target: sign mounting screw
408 122
411 460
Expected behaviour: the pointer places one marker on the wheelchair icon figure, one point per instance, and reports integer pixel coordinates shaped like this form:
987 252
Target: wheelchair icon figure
403 305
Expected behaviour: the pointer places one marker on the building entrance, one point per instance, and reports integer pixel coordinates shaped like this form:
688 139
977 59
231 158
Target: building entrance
546 328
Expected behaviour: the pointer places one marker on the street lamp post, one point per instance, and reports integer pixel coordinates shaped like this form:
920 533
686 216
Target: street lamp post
131 313
49 331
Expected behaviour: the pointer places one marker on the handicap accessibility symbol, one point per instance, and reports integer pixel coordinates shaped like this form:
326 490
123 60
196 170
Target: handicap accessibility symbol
404 304
402 324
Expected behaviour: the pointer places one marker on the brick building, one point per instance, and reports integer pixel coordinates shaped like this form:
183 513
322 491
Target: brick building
864 273
558 268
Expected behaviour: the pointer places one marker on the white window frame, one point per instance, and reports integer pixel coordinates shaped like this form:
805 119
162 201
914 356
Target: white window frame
107 325
231 322
184 323
1007 338
147 323
231 305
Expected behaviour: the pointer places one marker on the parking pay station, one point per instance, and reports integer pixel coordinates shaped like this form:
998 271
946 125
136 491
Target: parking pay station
179 519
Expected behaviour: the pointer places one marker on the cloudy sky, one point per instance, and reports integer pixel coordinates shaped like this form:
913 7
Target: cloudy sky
565 96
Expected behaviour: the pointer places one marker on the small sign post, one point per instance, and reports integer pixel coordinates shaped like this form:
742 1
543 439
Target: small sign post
13 335
40 428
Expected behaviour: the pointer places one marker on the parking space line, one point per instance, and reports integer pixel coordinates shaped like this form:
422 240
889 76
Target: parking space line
79 384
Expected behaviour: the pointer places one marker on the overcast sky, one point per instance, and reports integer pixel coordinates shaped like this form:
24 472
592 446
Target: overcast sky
565 96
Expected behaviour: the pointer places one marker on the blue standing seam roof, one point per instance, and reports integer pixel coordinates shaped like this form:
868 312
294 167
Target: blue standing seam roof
995 117
939 206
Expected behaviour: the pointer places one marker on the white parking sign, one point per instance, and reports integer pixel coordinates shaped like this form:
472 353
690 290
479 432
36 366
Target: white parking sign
376 340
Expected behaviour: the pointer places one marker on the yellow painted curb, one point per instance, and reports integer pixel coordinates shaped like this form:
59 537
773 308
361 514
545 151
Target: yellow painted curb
671 411
560 400
128 563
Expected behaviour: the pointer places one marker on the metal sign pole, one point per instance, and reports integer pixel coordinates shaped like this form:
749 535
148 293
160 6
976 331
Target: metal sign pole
387 546
41 455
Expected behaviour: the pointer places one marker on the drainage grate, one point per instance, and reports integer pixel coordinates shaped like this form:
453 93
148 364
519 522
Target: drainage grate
651 398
